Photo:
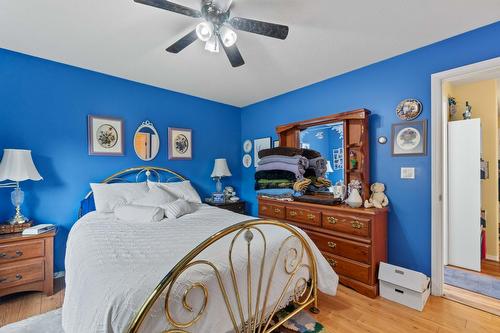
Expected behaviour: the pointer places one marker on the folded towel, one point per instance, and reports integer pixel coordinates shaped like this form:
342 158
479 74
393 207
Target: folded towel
298 170
133 213
289 151
273 183
281 193
297 159
275 174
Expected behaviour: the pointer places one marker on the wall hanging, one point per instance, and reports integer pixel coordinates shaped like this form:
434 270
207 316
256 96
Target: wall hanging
180 144
105 136
409 138
258 145
409 109
146 141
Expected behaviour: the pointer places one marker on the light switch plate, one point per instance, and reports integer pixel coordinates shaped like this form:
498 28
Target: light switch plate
407 173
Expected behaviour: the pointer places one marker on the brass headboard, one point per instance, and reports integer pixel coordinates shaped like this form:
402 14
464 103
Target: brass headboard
136 174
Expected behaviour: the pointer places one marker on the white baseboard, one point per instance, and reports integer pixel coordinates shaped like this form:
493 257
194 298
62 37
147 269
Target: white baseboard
492 258
58 275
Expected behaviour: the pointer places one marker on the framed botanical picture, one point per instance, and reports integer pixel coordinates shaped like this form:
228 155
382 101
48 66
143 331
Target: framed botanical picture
180 144
258 145
409 138
105 136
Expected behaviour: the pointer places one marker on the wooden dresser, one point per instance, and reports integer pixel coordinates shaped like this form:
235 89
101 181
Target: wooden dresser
26 263
353 240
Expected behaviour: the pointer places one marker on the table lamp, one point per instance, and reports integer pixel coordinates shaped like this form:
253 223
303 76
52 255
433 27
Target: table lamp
220 170
17 166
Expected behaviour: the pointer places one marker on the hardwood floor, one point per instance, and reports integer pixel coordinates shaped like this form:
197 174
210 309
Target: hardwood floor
347 312
490 267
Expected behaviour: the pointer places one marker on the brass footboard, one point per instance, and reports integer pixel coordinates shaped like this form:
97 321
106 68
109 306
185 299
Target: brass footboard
259 315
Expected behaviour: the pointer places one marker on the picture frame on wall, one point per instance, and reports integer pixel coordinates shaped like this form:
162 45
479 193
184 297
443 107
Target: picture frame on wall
276 143
180 143
258 145
409 138
105 136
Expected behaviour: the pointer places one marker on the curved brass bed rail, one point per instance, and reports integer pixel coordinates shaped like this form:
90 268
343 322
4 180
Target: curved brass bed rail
298 258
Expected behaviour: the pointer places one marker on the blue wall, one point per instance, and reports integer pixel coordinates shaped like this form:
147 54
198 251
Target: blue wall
379 88
44 107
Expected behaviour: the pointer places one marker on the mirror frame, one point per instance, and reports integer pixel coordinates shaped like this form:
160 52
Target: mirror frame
356 139
147 124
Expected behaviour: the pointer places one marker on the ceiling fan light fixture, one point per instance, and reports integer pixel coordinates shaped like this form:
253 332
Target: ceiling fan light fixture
228 36
205 31
212 44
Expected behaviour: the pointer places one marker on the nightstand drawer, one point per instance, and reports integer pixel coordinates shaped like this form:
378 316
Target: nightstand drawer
25 271
22 250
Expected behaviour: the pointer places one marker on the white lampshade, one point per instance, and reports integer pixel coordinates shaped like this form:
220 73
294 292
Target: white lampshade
17 165
221 169
329 167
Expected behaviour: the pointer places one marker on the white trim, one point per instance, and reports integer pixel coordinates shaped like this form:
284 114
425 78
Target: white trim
492 258
439 166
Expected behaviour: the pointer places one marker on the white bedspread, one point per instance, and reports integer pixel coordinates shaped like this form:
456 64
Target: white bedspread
112 266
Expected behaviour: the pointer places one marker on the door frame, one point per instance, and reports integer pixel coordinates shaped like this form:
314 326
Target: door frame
483 70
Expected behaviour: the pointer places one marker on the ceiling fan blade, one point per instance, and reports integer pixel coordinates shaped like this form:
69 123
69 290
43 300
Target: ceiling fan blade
182 43
233 54
170 6
258 27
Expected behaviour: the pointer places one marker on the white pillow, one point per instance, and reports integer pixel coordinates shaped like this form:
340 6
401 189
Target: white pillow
155 198
108 196
133 213
178 208
182 190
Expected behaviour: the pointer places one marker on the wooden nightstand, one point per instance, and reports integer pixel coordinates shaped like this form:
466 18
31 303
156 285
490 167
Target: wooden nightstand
27 263
239 207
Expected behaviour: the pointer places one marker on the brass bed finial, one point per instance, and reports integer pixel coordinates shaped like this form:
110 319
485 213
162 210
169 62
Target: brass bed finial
301 285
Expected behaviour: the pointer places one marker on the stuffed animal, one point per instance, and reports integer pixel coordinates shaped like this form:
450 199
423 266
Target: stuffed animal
378 199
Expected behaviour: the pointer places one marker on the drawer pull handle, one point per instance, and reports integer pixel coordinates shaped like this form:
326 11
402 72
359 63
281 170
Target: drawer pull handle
332 220
277 210
6 280
332 262
332 245
357 224
293 213
311 216
4 255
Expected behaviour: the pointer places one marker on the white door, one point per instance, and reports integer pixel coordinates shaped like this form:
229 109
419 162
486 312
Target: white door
464 194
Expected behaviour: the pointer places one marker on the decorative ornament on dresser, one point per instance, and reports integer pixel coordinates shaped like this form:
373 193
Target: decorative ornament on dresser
354 200
378 199
452 106
409 138
105 136
409 109
146 141
17 166
468 111
180 144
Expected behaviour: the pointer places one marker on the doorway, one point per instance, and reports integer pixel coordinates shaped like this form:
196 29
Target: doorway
465 213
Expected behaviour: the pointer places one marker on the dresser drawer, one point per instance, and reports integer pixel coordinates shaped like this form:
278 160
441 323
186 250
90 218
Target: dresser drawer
303 215
22 250
349 268
18 273
271 210
354 225
342 247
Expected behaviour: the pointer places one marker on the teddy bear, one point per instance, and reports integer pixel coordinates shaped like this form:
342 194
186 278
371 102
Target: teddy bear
378 199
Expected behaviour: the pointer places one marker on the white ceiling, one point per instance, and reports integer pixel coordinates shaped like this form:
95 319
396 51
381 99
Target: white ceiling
327 38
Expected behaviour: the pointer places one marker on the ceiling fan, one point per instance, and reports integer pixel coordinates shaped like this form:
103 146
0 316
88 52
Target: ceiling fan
217 28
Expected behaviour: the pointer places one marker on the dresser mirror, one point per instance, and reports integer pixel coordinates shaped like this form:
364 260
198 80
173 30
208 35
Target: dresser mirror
146 141
328 139
341 138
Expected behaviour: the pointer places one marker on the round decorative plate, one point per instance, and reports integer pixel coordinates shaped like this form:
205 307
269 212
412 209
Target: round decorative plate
409 109
107 136
247 146
408 138
247 160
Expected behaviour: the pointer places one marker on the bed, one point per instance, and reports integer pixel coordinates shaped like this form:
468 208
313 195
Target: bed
209 271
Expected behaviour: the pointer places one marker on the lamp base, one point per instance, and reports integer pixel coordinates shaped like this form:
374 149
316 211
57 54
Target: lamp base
18 218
